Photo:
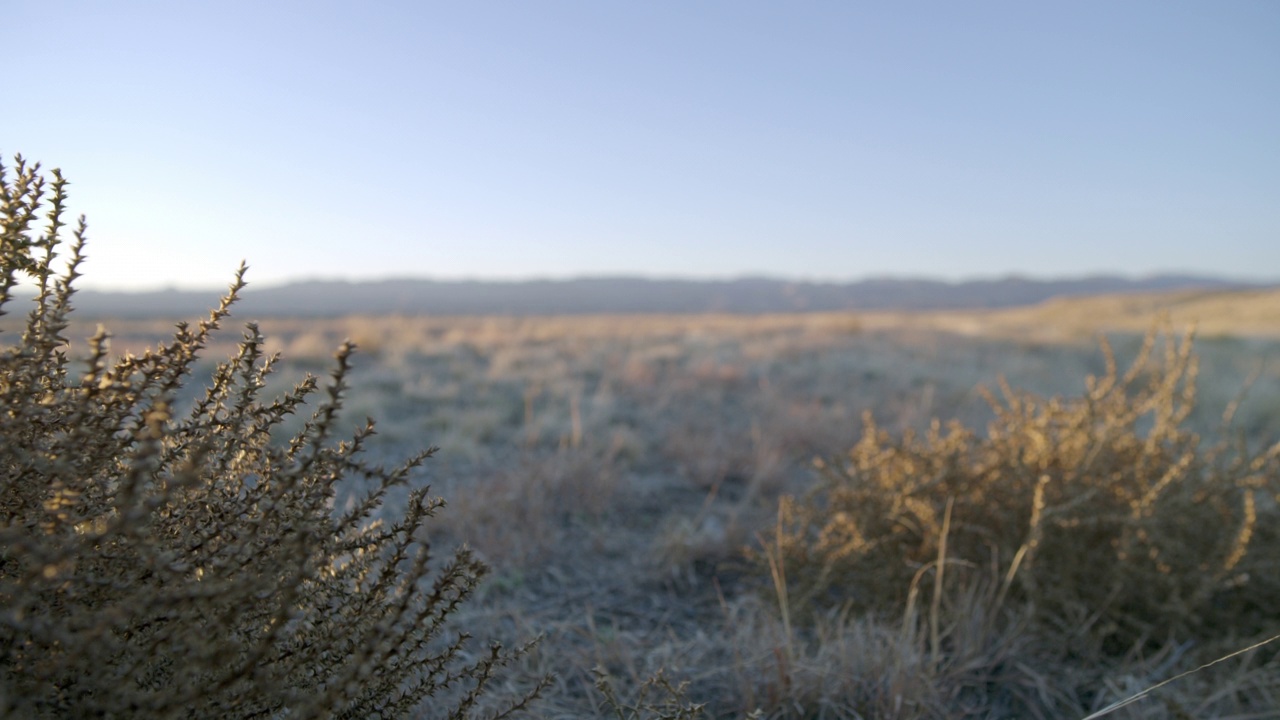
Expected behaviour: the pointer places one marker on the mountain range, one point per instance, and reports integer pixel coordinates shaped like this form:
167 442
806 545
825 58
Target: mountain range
609 295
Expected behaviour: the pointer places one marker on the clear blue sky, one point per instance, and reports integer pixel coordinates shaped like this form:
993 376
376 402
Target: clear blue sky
831 140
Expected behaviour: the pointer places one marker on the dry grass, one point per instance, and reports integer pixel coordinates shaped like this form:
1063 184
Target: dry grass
614 471
1220 313
1215 313
687 432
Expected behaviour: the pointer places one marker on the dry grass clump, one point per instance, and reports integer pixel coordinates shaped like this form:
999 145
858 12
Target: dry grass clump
158 564
843 666
1102 514
516 516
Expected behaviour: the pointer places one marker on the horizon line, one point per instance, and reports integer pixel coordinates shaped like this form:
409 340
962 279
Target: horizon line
690 279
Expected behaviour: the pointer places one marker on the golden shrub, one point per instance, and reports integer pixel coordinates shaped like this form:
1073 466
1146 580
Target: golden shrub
1102 512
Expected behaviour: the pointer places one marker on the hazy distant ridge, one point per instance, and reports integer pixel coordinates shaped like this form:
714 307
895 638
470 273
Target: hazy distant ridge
626 295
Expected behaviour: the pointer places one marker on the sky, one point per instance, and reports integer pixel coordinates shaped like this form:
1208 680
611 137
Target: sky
552 139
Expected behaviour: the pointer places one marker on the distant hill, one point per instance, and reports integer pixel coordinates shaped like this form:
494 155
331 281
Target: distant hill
1214 313
611 295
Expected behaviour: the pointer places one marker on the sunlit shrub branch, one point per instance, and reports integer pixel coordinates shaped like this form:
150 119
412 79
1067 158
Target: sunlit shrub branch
160 563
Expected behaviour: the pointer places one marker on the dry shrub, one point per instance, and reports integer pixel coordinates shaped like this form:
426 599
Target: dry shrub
1101 512
156 564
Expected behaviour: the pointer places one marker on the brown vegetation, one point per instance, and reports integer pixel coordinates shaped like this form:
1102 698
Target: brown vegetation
623 477
163 564
1253 313
1099 525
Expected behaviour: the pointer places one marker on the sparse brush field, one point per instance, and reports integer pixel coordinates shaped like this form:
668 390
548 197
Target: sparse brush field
982 515
703 496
